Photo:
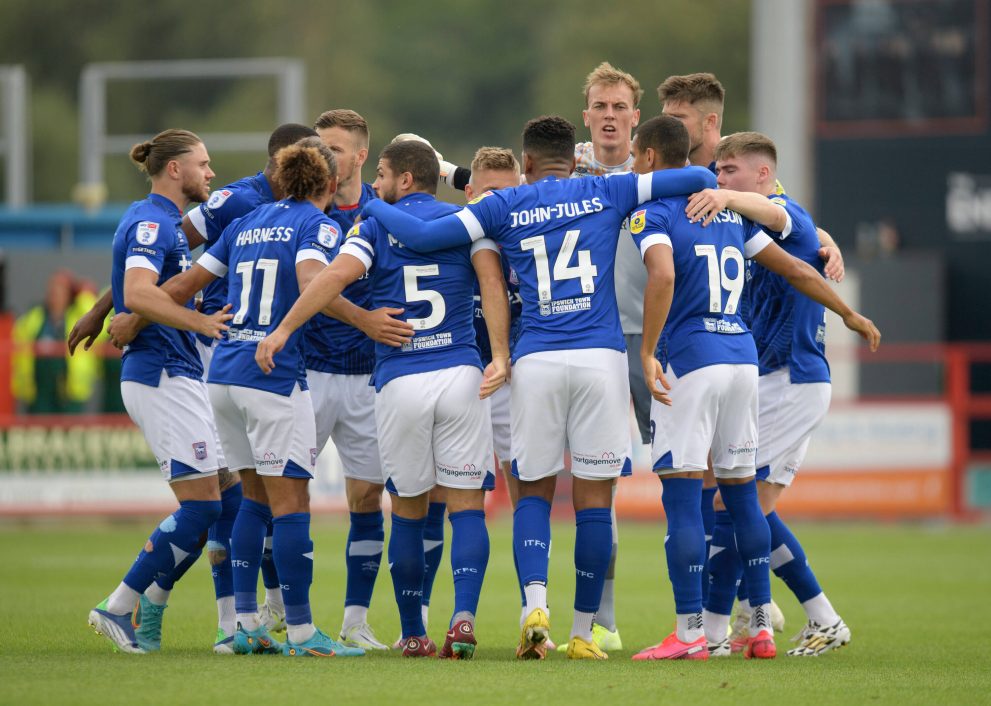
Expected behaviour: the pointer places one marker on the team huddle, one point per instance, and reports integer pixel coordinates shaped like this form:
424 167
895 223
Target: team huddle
437 345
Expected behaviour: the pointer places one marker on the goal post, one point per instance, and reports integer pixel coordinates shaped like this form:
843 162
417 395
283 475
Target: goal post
96 142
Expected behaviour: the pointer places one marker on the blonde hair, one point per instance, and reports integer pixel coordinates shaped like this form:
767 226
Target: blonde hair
741 144
152 155
497 159
608 74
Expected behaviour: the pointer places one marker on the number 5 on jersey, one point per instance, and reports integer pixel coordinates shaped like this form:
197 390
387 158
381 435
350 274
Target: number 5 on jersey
438 310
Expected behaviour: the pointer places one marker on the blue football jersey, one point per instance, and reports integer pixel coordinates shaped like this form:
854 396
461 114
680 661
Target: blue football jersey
435 289
704 326
258 253
789 328
332 346
559 236
211 218
150 236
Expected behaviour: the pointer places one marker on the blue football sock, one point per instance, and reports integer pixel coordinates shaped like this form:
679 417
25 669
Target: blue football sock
177 537
684 544
742 594
753 538
292 550
532 538
725 567
168 582
788 561
708 523
593 547
270 574
406 566
433 547
218 542
469 557
362 556
516 566
247 542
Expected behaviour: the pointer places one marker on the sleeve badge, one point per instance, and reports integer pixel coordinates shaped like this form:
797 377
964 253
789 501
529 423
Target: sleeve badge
328 235
638 221
479 198
147 232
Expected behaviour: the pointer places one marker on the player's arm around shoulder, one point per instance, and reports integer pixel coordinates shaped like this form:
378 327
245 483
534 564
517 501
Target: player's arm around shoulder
708 203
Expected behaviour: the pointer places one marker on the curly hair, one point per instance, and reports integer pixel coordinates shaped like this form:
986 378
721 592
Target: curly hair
303 169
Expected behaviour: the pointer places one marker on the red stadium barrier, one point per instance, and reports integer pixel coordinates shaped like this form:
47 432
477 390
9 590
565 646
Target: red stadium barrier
65 460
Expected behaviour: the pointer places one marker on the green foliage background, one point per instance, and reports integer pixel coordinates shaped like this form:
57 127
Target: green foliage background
461 73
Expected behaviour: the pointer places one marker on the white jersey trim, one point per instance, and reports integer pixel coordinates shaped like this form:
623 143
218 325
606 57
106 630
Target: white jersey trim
311 254
212 265
786 231
198 220
475 230
356 251
142 262
645 183
484 244
654 239
757 243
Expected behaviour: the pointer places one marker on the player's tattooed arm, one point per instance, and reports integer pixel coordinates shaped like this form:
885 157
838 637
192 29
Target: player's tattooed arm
657 297
90 325
495 309
803 277
831 255
320 292
708 203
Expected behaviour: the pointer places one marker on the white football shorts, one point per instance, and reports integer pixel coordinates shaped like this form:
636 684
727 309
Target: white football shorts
273 434
787 416
577 399
177 421
206 354
344 408
433 430
501 431
712 409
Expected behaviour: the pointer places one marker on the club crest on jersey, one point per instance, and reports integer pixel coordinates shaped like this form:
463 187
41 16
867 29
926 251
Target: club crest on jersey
328 235
479 198
355 230
638 221
218 197
147 232
199 450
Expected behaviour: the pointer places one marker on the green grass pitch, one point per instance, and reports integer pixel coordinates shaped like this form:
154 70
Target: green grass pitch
915 597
